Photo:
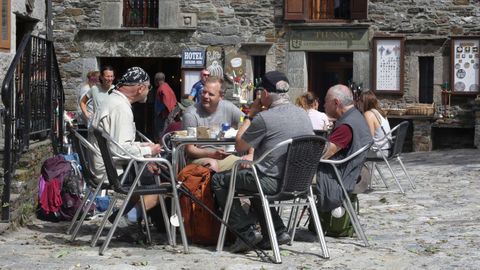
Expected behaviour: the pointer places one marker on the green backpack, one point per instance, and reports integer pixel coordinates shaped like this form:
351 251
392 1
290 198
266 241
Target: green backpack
337 227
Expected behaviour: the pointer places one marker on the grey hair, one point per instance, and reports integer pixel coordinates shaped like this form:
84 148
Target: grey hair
159 77
342 93
278 98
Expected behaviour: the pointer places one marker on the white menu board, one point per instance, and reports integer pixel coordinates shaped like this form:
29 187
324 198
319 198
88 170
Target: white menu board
465 65
388 64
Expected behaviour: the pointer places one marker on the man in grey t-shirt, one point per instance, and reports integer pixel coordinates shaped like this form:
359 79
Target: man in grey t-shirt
262 130
211 111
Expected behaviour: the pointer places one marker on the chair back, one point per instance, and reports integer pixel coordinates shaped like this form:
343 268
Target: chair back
301 164
102 140
81 147
399 133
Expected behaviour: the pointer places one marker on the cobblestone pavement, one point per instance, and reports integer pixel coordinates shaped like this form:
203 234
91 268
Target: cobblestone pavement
435 226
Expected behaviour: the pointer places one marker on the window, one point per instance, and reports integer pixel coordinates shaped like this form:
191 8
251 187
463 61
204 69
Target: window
318 10
5 24
258 64
426 79
140 13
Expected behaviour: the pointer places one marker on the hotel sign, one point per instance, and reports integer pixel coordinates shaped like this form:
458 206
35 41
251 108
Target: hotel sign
329 40
193 59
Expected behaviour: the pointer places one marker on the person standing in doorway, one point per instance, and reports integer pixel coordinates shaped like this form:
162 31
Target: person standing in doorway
92 80
165 102
197 88
98 92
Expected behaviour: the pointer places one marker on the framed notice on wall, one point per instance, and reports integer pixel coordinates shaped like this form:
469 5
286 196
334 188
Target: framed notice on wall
388 62
465 76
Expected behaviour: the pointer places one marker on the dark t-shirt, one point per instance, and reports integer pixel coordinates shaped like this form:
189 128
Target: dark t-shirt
341 136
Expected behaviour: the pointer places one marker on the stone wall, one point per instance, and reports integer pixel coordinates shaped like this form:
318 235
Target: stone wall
80 36
425 17
24 187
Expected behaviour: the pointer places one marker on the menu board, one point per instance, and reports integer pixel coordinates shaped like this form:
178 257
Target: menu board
465 60
388 64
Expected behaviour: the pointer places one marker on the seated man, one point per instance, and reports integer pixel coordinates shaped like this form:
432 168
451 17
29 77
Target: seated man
349 134
212 111
115 116
262 130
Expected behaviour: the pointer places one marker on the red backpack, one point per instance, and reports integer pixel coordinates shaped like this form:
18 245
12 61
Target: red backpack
201 227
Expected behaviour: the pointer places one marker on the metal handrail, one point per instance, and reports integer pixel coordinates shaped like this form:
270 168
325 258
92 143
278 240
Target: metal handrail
32 93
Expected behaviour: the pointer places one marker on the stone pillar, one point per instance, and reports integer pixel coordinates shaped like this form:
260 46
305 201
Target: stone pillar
361 68
297 73
422 135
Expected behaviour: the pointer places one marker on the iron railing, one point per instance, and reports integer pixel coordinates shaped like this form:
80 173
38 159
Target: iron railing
140 13
32 93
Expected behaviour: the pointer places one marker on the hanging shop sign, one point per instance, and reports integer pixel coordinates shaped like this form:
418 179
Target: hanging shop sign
465 75
388 64
193 58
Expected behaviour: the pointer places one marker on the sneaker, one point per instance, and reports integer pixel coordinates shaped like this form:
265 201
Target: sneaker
282 239
251 235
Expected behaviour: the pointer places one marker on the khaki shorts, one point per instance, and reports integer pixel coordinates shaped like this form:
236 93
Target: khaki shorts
225 164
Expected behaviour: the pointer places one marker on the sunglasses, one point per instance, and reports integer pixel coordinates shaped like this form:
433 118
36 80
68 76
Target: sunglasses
205 75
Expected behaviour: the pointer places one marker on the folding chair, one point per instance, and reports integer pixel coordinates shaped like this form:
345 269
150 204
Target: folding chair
81 146
161 189
347 203
397 137
300 167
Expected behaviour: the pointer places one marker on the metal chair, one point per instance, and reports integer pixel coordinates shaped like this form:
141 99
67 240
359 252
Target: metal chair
300 167
347 204
396 136
161 189
82 146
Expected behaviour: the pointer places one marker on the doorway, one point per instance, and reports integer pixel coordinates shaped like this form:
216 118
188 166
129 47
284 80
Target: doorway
326 69
23 25
144 112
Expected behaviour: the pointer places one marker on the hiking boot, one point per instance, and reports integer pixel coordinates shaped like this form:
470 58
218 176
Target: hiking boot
251 235
282 239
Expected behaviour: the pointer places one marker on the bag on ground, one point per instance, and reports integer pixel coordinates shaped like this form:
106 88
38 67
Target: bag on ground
336 227
200 226
60 189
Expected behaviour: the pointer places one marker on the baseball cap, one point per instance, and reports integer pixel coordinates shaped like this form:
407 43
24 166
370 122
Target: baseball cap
275 82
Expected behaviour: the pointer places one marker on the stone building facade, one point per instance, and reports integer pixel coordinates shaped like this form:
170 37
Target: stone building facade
313 51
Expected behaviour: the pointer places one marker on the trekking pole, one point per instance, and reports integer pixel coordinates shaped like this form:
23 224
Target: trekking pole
260 253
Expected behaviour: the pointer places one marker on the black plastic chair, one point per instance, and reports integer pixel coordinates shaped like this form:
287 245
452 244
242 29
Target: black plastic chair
82 147
396 136
300 167
105 143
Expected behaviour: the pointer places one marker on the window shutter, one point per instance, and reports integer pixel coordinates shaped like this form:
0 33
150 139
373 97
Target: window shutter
295 10
5 24
359 9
